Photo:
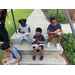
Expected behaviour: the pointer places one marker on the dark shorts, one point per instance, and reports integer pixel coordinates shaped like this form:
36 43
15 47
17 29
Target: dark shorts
38 49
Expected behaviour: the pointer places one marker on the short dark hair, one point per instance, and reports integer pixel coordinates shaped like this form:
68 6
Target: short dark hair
52 18
5 46
39 29
22 21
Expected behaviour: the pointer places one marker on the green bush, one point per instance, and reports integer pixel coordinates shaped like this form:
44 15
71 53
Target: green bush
69 47
62 17
68 38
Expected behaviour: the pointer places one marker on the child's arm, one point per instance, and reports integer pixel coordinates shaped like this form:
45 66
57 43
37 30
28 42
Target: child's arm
49 32
41 41
29 30
20 31
33 41
61 30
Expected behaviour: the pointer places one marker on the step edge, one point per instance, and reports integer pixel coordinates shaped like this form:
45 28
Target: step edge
46 63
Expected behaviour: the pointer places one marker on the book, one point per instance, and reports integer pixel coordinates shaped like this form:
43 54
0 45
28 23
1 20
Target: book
20 34
37 45
59 32
10 61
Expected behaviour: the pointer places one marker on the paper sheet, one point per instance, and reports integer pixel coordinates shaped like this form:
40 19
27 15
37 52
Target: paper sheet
59 32
19 35
45 34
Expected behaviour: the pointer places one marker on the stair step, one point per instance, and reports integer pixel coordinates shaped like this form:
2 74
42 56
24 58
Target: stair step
14 38
26 48
47 60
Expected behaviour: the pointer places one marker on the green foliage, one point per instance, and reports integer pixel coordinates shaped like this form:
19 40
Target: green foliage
62 17
68 38
69 47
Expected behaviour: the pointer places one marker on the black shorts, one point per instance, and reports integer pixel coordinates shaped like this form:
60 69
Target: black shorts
38 49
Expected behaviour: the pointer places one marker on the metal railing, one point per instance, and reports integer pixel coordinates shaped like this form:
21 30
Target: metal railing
69 19
14 20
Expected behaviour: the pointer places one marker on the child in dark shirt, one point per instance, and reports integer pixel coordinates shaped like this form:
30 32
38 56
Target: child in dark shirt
39 41
52 30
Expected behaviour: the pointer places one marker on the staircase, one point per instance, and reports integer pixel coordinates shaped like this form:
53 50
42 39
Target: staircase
51 55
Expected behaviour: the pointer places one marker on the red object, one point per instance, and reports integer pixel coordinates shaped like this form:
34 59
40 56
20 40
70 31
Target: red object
3 16
52 25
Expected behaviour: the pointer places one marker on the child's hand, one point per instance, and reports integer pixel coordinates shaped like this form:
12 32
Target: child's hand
23 32
32 41
28 31
62 31
8 55
11 64
53 32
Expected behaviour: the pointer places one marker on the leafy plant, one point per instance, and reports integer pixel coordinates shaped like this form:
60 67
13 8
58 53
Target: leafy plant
69 47
62 17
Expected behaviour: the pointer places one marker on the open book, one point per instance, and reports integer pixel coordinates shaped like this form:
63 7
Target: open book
37 45
59 32
10 61
20 34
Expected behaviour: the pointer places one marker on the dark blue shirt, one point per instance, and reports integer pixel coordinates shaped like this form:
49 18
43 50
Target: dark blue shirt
54 28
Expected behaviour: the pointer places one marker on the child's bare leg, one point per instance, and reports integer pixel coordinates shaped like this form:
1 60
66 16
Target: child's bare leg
50 37
59 38
41 51
35 50
4 60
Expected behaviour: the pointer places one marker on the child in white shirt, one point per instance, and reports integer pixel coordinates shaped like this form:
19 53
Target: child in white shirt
25 30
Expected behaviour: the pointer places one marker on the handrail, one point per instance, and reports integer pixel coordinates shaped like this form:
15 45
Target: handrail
69 19
71 25
14 20
57 14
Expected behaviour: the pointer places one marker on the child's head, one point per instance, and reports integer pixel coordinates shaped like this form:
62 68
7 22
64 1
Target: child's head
38 31
22 22
53 21
5 46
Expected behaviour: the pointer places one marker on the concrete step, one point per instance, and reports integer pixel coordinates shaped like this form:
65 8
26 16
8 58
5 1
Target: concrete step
26 48
48 60
14 37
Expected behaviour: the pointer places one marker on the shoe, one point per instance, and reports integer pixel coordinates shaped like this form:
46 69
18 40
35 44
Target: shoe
34 57
48 44
41 58
57 46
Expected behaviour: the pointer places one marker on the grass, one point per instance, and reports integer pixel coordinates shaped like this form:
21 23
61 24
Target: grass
18 14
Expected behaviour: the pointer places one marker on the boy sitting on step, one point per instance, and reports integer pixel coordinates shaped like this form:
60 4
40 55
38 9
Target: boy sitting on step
38 43
54 29
24 29
14 56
